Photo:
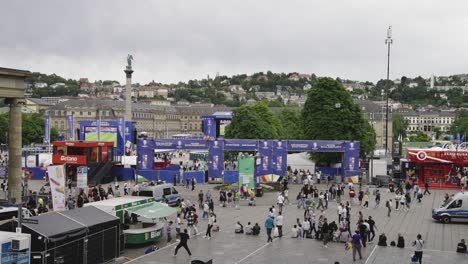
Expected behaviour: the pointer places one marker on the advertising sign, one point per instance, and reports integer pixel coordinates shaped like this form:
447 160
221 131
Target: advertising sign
279 162
240 144
246 172
71 127
265 152
47 130
57 186
351 159
188 144
215 163
81 177
145 154
315 146
209 127
121 127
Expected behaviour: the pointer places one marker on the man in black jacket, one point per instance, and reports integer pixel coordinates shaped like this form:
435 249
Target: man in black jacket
184 237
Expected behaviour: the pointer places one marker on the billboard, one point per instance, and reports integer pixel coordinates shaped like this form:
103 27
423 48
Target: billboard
107 134
246 172
57 186
221 125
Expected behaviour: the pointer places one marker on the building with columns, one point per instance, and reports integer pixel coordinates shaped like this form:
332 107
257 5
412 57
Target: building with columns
156 120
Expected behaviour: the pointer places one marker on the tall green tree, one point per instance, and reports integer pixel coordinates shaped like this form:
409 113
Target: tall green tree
291 122
254 121
32 129
460 125
330 114
399 125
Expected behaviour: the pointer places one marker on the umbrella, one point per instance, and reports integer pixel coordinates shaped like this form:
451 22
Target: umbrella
141 179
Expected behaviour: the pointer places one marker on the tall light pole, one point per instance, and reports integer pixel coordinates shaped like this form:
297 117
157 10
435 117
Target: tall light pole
388 42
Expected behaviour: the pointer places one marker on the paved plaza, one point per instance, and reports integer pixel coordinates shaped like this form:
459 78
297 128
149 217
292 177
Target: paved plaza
228 247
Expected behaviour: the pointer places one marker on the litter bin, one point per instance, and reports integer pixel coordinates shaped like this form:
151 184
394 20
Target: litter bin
258 191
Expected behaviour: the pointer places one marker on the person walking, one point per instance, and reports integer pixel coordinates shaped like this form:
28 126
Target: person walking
269 226
356 241
211 220
325 233
320 201
377 199
279 224
306 228
280 202
366 200
300 200
200 199
194 181
184 237
388 204
168 231
372 228
178 222
426 188
418 245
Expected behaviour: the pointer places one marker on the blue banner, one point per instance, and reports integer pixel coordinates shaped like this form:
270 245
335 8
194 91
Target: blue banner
315 146
241 144
209 127
145 154
98 128
265 152
71 127
351 159
458 138
188 144
279 162
121 129
47 130
451 138
194 144
215 159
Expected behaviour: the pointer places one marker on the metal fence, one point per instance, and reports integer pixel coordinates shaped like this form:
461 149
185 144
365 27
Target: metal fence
100 247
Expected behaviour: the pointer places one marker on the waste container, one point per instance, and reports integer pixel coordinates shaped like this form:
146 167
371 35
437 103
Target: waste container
258 191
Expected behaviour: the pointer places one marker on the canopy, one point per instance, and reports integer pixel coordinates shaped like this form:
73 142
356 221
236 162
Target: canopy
141 179
152 210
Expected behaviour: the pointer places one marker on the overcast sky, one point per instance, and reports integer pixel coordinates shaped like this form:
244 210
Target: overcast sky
177 40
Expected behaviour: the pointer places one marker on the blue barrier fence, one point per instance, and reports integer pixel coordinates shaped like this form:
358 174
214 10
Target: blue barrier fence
231 176
329 171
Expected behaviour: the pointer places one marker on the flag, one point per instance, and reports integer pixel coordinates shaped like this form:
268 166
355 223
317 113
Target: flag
458 138
451 138
47 130
98 127
71 127
121 124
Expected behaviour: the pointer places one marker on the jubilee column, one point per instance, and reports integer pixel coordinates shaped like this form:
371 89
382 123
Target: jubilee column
128 89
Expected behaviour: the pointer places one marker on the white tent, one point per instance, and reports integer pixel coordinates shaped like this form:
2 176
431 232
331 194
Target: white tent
301 161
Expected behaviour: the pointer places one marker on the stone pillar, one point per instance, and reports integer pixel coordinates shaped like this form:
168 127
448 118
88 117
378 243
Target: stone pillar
14 152
128 95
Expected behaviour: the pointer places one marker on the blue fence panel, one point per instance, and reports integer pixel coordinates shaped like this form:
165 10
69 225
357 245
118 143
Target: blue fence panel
199 176
329 171
34 173
150 175
123 174
173 167
168 175
231 176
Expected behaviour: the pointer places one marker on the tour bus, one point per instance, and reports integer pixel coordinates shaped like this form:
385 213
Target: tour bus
165 193
455 209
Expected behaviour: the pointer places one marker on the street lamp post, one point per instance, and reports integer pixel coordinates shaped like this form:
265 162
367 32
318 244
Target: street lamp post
388 42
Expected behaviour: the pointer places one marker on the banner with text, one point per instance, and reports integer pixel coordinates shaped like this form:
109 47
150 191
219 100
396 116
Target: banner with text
351 161
315 146
215 159
71 127
145 154
246 172
265 151
187 144
81 177
47 130
57 186
279 162
240 144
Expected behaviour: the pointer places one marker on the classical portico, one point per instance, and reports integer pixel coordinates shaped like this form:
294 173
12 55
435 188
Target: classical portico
12 90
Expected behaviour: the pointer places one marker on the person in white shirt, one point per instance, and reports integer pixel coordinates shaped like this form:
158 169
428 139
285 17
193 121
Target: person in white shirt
339 211
294 233
403 203
280 202
418 245
279 224
248 229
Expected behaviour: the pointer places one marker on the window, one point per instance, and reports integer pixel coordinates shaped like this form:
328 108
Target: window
174 191
56 124
62 125
167 191
455 204
81 113
89 113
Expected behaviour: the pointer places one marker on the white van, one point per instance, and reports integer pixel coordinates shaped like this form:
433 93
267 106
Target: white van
455 209
165 193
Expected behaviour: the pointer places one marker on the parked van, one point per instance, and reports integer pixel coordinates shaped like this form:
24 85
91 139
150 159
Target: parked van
455 209
165 193
6 213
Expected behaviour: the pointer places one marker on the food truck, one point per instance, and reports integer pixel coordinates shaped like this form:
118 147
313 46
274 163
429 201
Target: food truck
439 167
142 217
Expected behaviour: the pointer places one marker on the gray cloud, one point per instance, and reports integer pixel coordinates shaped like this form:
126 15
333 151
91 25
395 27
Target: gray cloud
180 40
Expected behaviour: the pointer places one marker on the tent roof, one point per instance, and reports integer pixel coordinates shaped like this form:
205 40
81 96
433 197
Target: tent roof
89 216
53 224
153 210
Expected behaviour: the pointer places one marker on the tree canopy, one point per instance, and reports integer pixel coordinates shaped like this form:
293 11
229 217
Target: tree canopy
460 125
331 114
32 129
254 121
399 125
